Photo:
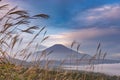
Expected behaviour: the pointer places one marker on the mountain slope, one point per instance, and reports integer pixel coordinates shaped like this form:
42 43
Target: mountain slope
60 52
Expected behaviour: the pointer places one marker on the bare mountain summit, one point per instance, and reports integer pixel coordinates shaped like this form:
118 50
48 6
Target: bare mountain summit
60 52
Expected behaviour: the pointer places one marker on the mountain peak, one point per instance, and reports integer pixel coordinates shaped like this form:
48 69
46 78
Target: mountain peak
58 45
61 52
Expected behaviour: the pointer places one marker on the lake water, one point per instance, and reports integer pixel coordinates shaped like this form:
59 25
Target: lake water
110 69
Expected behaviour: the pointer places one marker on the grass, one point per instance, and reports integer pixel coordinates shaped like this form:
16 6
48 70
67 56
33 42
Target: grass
12 72
10 32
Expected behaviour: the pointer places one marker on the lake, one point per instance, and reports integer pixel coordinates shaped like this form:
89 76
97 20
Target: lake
110 69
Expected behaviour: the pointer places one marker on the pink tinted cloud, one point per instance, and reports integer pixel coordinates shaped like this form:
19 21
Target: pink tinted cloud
81 35
84 34
107 12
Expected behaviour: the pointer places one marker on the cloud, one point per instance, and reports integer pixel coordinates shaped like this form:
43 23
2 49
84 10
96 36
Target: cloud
86 34
89 33
104 16
89 38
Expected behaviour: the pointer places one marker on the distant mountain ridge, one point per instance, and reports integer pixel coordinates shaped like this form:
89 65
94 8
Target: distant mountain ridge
60 52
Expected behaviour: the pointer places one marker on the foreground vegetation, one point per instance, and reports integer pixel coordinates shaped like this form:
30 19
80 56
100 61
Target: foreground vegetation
12 72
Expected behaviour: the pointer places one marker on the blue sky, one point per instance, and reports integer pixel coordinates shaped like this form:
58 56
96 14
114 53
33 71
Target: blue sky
86 21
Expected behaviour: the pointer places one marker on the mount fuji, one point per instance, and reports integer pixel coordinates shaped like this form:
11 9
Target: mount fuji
60 52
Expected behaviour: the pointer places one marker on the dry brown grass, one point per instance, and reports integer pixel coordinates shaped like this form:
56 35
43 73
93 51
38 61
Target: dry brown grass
10 24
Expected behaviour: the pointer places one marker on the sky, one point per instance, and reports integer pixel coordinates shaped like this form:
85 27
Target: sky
87 22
